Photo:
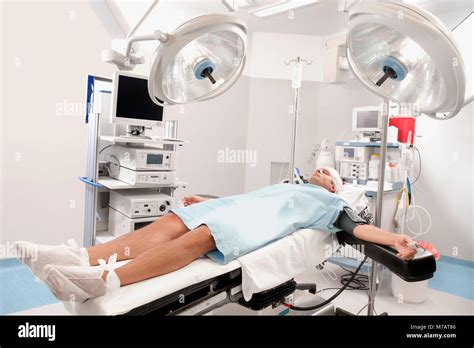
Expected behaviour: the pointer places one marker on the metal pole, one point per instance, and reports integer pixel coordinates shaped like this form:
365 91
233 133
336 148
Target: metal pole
91 173
293 137
378 212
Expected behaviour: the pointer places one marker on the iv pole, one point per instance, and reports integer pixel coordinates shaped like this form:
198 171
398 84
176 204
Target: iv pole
296 84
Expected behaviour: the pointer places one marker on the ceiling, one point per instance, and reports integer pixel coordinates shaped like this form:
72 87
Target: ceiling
321 19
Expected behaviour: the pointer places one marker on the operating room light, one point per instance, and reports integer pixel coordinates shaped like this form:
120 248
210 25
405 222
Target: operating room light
404 54
203 59
198 61
282 7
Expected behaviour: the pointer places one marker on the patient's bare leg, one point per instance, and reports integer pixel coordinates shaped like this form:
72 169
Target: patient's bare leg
168 257
132 244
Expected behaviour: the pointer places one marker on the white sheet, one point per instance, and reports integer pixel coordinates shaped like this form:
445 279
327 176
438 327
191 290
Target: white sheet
263 269
282 260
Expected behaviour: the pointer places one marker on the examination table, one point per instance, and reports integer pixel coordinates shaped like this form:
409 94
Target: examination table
261 279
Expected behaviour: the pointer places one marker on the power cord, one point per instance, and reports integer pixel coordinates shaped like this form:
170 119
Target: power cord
419 171
360 282
319 305
104 148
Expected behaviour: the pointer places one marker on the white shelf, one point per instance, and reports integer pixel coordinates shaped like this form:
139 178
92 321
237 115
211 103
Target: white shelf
154 141
102 237
114 184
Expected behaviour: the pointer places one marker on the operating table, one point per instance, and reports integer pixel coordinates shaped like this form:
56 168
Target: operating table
203 285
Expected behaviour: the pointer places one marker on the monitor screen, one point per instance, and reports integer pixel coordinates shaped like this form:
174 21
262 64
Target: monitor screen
154 159
349 152
367 119
133 100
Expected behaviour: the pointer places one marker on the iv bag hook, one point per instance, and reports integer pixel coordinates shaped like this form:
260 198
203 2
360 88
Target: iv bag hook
298 60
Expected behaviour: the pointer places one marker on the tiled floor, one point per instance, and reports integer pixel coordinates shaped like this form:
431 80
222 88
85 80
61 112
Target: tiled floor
19 291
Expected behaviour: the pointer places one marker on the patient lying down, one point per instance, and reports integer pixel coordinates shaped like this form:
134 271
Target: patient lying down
223 229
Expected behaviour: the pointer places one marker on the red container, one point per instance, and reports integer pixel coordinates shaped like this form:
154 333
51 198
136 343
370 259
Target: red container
405 125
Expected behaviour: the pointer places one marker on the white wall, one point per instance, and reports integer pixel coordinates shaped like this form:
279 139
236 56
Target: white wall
213 126
2 115
270 125
48 50
271 100
445 187
335 104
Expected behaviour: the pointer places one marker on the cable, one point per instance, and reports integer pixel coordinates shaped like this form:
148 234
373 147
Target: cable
360 282
319 305
419 172
360 310
105 148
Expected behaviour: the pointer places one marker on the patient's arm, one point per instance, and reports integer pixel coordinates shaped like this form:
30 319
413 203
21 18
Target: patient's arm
353 224
377 235
193 200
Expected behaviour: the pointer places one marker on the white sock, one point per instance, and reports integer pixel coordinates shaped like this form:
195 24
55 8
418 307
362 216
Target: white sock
76 284
37 256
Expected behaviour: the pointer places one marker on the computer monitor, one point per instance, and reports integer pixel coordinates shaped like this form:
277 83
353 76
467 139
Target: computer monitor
366 119
131 102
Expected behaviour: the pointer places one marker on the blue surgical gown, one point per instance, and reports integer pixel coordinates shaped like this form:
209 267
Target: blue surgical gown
243 223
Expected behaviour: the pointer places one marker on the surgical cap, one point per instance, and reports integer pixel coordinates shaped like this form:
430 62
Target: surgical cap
336 178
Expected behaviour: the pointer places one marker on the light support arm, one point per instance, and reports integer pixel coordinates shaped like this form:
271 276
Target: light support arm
142 19
128 61
157 35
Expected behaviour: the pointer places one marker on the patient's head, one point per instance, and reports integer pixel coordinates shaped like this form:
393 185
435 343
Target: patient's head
328 178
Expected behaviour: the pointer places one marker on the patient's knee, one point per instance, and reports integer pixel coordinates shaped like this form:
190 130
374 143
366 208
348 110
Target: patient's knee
170 223
201 240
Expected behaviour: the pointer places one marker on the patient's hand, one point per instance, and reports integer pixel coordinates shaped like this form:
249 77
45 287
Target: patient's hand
193 199
404 251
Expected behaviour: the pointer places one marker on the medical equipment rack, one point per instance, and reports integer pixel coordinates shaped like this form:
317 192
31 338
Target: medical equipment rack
101 134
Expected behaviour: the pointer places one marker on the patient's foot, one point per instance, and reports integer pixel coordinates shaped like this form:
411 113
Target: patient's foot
37 256
75 283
